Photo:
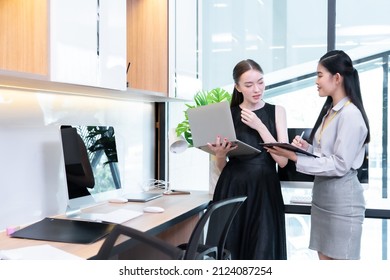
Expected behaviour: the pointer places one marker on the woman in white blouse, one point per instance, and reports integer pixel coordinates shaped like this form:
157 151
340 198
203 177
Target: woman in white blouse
338 139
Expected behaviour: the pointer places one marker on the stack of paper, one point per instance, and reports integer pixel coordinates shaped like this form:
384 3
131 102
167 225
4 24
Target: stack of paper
37 252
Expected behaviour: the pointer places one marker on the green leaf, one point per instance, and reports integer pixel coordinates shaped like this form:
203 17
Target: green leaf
182 127
200 98
218 95
188 137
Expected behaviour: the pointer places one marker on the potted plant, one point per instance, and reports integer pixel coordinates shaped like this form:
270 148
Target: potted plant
103 139
201 98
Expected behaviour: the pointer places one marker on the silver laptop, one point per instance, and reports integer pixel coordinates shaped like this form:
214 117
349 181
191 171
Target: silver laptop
209 121
142 196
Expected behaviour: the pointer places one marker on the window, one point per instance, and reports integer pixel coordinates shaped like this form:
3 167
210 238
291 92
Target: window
287 41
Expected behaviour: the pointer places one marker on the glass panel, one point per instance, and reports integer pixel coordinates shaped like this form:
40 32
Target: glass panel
276 34
363 34
213 35
373 229
369 24
267 31
371 81
298 236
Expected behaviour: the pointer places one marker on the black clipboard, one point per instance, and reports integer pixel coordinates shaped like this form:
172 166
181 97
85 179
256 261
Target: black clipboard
287 146
64 230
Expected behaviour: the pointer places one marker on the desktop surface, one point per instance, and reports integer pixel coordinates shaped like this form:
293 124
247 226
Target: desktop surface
178 209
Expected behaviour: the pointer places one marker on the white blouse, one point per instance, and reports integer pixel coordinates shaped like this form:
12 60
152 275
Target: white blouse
339 145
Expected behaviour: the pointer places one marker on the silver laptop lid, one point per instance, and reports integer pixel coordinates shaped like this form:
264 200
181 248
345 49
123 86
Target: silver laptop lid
209 121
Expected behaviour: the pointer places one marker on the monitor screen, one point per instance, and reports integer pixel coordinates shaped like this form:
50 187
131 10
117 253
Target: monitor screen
289 173
91 164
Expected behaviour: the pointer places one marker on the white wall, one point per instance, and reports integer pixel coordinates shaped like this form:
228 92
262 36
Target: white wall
32 178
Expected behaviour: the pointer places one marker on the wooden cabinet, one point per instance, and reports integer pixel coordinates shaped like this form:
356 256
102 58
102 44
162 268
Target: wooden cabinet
147 44
24 36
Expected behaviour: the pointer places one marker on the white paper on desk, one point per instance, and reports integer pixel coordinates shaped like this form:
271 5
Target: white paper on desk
37 252
118 216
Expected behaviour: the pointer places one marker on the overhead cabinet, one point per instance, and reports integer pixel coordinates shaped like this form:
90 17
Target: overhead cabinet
88 42
69 41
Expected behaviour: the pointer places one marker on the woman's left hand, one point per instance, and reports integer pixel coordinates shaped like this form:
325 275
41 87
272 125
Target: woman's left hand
221 148
282 152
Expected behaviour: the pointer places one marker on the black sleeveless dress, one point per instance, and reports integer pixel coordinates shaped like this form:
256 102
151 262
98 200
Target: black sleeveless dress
258 231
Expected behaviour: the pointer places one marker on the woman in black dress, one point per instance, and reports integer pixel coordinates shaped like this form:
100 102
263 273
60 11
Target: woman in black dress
258 231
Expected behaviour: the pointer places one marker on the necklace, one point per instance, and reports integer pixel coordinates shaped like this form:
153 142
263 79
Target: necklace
326 122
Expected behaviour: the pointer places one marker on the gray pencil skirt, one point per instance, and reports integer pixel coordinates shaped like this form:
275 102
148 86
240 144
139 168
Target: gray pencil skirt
337 215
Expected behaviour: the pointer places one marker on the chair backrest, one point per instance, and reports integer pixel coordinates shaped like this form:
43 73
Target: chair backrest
217 218
107 249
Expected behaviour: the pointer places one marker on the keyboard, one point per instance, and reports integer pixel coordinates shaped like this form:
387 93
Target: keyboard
301 199
118 216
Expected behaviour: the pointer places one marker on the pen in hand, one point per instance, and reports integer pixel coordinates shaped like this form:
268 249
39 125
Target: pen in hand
300 137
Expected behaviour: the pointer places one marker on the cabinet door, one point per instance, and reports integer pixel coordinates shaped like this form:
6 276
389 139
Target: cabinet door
112 44
24 36
88 44
73 39
147 44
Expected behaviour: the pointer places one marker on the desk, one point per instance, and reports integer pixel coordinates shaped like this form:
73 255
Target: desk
181 213
375 208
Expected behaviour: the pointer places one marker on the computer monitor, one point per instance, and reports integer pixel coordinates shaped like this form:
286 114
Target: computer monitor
91 164
289 173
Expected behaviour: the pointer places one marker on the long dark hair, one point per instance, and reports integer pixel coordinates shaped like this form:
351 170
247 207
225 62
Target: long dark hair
240 68
337 61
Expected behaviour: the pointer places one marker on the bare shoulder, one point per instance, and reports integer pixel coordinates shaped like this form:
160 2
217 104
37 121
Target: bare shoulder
280 115
280 110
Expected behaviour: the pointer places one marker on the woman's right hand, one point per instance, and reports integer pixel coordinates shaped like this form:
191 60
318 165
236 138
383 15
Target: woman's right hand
300 143
221 147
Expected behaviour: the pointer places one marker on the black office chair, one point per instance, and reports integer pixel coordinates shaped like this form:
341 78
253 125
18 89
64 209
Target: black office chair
217 218
107 249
